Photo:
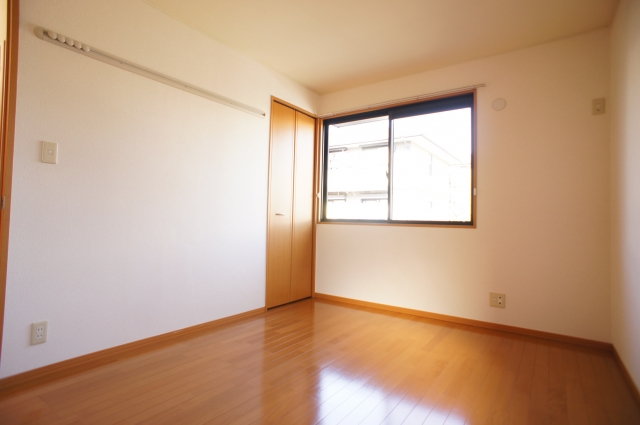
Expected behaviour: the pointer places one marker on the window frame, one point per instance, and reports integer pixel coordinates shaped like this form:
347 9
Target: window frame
398 110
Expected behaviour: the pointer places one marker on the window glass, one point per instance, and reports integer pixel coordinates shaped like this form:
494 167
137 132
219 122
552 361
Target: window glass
432 167
358 158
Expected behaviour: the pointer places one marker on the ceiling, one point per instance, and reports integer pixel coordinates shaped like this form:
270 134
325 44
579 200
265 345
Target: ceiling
332 45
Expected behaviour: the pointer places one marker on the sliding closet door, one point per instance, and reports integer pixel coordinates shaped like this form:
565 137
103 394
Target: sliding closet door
302 208
280 205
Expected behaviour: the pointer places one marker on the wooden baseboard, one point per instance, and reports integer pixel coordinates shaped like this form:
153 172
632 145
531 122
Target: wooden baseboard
627 376
76 365
478 323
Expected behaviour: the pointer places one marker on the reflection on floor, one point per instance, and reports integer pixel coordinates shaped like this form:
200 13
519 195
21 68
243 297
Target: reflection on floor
323 362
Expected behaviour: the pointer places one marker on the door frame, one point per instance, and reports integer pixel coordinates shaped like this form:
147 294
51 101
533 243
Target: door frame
8 121
314 220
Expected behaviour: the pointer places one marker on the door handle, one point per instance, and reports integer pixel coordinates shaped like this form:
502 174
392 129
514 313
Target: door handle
280 214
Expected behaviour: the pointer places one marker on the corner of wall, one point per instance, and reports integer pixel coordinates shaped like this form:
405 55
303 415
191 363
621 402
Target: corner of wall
625 185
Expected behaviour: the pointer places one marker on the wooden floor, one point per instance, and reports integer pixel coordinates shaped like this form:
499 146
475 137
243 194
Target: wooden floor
323 362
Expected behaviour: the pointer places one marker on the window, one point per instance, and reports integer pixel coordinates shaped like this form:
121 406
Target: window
406 164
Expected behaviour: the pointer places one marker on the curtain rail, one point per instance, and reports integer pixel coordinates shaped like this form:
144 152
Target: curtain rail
92 52
403 100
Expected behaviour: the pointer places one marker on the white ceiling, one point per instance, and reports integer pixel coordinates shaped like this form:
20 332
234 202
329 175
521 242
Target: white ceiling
332 45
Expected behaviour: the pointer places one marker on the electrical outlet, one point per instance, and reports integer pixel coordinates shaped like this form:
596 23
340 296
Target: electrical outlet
39 332
497 300
597 106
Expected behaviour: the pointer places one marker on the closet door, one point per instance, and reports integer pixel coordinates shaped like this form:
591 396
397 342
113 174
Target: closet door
302 240
280 221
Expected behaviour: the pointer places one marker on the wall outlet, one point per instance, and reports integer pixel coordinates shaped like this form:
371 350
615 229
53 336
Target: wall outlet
39 332
497 300
597 106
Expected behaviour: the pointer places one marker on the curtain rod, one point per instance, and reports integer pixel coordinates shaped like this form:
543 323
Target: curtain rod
92 52
403 100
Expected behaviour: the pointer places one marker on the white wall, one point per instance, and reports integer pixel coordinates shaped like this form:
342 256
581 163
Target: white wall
625 184
154 219
543 201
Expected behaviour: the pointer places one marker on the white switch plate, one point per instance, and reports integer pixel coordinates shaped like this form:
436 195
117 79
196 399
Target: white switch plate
50 152
497 300
39 332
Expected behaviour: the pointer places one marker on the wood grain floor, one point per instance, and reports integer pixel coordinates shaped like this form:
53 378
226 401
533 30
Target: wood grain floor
328 363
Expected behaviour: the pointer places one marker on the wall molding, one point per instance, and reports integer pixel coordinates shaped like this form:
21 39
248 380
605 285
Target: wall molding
76 365
89 361
627 376
478 323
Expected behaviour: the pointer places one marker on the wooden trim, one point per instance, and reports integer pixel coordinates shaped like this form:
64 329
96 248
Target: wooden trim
111 355
627 376
294 107
394 224
314 221
266 276
293 197
6 141
477 323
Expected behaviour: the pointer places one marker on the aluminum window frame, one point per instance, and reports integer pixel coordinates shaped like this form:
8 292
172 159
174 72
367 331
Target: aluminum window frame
444 103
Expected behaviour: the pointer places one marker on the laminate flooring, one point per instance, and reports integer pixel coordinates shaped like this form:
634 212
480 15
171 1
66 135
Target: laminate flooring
322 362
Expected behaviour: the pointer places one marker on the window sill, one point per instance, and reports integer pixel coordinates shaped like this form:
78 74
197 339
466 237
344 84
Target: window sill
465 225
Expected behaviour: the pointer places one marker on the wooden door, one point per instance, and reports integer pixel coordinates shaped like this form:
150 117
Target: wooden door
280 207
302 240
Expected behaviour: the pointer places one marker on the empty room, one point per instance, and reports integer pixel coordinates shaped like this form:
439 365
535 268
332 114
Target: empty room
320 212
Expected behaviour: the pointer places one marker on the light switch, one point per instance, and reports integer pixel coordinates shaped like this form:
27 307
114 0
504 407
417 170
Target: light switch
50 152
